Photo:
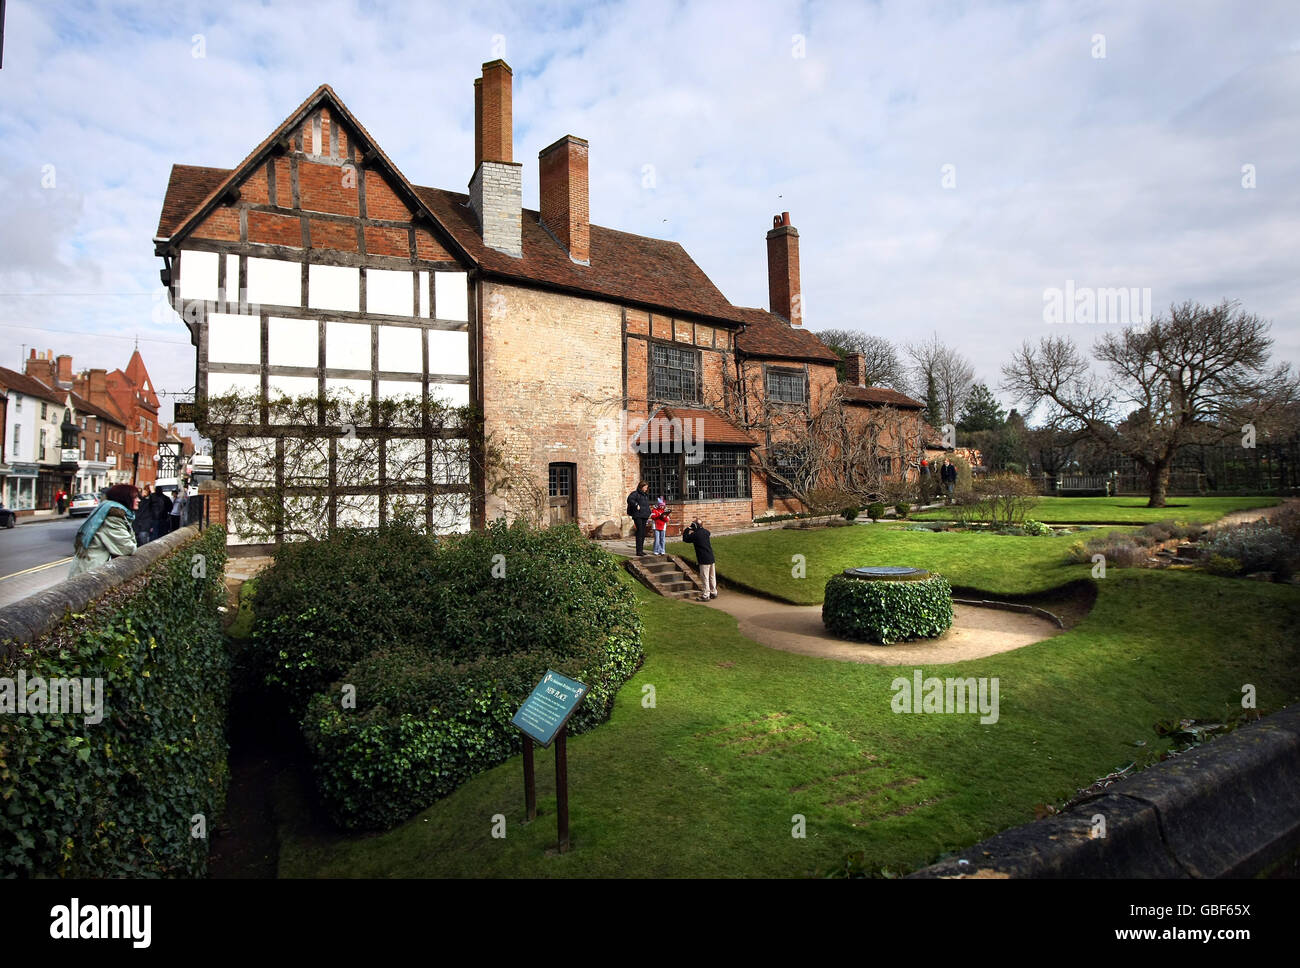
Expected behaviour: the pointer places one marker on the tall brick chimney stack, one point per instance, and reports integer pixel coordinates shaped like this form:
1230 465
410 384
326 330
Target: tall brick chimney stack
563 175
64 370
496 190
783 293
41 367
855 369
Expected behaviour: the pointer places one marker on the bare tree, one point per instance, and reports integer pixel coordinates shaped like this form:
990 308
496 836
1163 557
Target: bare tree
951 372
1200 373
882 366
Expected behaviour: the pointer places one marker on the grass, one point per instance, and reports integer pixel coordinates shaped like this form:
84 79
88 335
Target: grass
1125 510
765 561
741 738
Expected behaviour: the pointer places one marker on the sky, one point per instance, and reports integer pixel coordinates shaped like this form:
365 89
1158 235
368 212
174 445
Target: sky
952 168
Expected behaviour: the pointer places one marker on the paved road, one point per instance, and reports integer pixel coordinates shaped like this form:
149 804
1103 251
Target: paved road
35 556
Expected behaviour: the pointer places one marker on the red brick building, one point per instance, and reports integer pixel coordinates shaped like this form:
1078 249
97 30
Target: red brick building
314 266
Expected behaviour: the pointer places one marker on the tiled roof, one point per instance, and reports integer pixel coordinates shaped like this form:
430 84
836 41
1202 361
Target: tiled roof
667 422
188 186
82 405
22 383
883 396
634 269
769 335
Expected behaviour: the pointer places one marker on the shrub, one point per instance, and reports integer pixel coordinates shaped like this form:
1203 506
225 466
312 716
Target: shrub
849 514
1119 550
887 611
1288 519
115 799
1258 547
1219 565
875 510
1035 528
1003 500
434 694
902 509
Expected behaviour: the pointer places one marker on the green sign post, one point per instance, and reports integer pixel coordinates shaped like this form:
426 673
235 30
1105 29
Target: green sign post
542 719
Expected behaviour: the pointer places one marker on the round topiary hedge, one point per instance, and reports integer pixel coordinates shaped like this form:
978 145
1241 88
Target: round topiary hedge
887 611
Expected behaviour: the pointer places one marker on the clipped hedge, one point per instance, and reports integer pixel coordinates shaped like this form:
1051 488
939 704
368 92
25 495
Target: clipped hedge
115 799
887 611
483 616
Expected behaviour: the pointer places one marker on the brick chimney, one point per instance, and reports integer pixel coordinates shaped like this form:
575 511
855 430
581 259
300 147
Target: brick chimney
496 190
64 370
563 175
783 293
855 369
40 366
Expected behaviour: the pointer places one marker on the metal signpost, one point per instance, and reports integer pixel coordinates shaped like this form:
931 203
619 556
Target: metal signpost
542 719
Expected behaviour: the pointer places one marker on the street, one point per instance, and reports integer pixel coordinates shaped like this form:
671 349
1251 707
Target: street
35 556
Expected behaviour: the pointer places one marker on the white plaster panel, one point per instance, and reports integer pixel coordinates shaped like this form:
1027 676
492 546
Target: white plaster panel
334 287
291 342
448 352
347 346
451 295
198 274
424 292
388 292
274 282
400 349
234 339
455 394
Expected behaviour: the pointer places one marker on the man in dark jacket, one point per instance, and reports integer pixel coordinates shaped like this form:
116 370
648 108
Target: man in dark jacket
948 475
144 517
162 509
697 535
638 509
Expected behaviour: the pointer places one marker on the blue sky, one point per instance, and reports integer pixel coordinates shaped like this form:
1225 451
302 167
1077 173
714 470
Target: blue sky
1117 171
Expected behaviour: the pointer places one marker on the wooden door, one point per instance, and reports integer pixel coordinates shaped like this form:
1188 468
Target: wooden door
562 493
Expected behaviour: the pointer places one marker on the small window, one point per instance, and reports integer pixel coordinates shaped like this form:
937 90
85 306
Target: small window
676 373
786 386
886 465
44 414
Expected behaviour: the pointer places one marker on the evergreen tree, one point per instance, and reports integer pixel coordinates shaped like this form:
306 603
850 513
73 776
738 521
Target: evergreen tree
981 411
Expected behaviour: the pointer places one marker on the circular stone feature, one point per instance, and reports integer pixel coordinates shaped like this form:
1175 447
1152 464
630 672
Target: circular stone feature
887 573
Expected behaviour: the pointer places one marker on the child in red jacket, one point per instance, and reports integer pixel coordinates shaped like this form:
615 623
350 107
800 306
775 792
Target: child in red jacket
659 515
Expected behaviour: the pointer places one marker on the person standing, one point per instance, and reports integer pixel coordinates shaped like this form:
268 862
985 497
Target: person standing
948 475
107 533
638 508
162 507
61 500
697 535
660 516
144 516
178 509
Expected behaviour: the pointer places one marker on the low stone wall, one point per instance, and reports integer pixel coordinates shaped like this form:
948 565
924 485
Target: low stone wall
29 619
1227 809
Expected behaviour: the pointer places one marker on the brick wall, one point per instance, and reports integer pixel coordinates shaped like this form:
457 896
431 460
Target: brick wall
552 392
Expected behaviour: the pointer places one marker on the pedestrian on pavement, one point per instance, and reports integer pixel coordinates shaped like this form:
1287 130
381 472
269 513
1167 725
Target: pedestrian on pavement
698 535
162 509
948 475
178 508
660 516
61 500
144 517
638 508
108 532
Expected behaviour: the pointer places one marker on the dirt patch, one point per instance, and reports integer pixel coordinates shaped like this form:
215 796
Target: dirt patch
976 632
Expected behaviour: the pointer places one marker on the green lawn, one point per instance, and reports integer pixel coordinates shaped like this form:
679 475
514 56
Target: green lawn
1126 510
765 561
742 737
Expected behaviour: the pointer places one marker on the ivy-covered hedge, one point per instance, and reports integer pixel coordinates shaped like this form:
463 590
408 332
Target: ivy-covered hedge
887 611
418 651
117 798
